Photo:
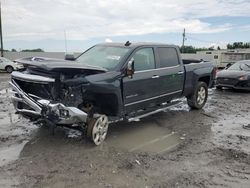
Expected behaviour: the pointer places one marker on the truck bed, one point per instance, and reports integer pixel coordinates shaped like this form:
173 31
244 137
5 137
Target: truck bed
193 72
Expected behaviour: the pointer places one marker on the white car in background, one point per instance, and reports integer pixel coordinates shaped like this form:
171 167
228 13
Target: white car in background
8 65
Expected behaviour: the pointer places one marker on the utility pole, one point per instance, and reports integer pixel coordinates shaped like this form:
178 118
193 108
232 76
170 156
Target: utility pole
183 39
65 42
1 32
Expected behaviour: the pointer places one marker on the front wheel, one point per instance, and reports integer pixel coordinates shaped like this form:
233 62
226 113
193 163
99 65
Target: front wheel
98 129
9 69
199 98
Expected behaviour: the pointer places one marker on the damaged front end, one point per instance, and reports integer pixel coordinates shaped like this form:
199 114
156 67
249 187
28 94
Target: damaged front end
69 94
38 108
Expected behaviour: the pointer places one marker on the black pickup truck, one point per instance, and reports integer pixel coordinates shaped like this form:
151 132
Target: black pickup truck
108 83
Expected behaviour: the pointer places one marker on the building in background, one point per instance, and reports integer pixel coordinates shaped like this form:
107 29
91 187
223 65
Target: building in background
221 57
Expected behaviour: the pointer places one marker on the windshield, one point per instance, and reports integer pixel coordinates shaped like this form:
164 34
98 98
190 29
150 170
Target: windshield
245 66
103 56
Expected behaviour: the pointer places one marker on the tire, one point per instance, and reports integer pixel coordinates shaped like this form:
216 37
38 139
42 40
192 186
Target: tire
9 69
219 87
97 129
199 97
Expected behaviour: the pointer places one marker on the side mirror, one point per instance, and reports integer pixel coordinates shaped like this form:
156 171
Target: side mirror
130 68
70 57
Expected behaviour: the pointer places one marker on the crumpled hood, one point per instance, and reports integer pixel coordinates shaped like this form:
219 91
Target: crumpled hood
57 65
231 73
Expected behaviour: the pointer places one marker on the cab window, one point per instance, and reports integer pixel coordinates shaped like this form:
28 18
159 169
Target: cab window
168 57
144 59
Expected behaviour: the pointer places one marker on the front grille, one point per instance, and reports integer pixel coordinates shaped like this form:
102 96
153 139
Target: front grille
227 81
39 89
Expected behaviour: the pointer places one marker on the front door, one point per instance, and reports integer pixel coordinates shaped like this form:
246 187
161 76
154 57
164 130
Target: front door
140 90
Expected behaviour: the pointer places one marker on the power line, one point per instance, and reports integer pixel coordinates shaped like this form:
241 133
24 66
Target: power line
65 42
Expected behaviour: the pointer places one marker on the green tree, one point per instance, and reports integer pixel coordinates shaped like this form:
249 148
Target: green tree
192 49
13 50
236 45
188 49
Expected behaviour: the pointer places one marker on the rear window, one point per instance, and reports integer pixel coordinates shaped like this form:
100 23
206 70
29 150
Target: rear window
168 57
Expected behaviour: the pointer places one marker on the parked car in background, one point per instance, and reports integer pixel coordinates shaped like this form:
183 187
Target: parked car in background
8 65
236 76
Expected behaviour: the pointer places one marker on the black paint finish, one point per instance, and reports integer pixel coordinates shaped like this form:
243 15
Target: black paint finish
112 92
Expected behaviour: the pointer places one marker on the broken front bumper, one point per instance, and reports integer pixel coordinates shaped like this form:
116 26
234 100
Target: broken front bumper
34 106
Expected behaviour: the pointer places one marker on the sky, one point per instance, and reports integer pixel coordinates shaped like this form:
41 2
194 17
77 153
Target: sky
45 24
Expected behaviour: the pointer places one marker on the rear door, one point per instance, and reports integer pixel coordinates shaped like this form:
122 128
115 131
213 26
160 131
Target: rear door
170 72
141 90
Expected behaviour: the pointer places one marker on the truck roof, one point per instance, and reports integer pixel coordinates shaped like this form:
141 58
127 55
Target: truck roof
135 44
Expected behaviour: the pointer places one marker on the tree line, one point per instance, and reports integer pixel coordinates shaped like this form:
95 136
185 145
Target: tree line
25 50
235 45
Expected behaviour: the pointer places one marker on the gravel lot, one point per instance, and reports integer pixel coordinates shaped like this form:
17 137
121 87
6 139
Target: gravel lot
177 148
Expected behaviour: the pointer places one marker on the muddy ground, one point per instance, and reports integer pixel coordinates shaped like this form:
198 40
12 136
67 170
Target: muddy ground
176 148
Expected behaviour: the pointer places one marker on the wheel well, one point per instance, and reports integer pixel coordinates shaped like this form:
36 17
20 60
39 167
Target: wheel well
205 79
8 66
104 103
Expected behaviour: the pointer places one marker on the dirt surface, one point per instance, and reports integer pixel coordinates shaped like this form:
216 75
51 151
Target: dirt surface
177 148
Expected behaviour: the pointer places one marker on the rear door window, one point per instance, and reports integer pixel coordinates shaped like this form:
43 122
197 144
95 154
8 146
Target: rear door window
168 57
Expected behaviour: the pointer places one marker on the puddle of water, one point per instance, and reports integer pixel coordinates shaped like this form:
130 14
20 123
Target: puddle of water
12 128
144 136
10 153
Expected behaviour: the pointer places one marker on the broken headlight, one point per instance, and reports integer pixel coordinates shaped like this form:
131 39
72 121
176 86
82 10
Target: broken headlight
244 77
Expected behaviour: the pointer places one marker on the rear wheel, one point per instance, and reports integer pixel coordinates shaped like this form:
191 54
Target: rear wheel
199 97
9 69
98 129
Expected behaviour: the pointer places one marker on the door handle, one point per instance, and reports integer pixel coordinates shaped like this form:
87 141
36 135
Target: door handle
155 76
180 72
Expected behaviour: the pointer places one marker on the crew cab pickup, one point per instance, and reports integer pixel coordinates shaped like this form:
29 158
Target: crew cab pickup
108 83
